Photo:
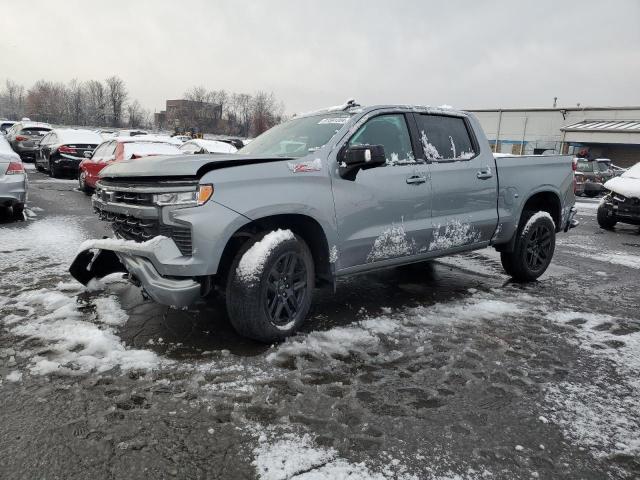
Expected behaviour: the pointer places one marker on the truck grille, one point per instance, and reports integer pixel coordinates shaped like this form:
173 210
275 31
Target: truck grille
141 230
132 198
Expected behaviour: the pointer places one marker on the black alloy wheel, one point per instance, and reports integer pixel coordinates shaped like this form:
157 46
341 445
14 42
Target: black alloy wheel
286 289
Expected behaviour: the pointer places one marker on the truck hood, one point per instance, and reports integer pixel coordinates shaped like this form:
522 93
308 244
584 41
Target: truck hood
181 165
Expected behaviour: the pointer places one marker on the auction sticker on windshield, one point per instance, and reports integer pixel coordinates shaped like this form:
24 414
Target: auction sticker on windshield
334 121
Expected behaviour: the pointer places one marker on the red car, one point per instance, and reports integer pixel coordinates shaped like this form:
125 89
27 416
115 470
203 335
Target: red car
121 148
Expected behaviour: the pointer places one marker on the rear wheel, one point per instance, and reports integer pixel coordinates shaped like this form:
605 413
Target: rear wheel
606 219
533 250
272 301
18 211
53 170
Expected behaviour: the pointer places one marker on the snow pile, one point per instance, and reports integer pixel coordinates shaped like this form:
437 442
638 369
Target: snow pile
295 456
70 345
454 234
391 243
252 262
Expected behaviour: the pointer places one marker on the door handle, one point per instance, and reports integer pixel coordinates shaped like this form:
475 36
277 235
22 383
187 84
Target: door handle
416 179
484 174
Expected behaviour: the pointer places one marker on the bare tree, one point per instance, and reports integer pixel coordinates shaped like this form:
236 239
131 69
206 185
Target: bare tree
117 98
265 112
137 117
76 103
96 103
12 100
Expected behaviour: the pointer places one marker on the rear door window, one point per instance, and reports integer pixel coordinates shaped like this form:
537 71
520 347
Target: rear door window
445 138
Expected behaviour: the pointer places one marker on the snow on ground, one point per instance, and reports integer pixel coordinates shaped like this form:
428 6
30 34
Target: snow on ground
587 208
366 335
603 413
63 340
601 255
43 246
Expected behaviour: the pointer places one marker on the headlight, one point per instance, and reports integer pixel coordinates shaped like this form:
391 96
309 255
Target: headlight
185 199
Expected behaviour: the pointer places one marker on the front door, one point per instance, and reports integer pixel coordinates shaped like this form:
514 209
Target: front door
385 212
464 183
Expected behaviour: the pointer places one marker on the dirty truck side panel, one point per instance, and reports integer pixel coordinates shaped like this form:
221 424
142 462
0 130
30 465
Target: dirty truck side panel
464 193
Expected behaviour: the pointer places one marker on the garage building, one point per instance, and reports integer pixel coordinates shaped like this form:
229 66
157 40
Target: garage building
593 132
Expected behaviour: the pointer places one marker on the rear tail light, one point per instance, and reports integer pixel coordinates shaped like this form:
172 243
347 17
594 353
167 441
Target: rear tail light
66 149
14 168
21 138
574 165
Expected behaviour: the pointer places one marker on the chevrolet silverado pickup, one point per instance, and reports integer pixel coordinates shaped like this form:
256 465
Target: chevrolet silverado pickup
336 192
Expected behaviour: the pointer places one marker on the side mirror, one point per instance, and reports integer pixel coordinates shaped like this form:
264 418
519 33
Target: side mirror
360 157
88 154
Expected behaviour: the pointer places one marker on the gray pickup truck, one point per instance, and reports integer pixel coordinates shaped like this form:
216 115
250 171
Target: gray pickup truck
337 192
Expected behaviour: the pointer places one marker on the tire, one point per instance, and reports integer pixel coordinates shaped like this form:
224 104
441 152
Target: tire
82 184
533 249
604 220
53 171
39 167
269 308
18 211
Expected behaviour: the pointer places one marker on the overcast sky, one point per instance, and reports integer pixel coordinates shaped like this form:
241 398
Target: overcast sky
468 54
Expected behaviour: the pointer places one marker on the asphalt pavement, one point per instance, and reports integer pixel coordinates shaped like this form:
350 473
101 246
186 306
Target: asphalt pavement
443 370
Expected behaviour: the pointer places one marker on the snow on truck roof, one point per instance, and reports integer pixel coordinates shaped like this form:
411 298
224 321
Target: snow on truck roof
350 107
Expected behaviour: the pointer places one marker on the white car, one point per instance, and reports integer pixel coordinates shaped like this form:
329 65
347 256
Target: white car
199 145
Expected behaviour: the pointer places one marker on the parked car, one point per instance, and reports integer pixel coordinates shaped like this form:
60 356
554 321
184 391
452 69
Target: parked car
62 149
24 137
5 125
199 145
118 149
13 180
130 133
590 176
622 201
614 170
319 197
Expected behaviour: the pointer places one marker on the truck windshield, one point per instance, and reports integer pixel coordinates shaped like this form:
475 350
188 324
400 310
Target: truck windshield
297 137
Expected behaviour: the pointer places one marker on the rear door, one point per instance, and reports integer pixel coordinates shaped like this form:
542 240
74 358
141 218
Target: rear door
463 179
385 212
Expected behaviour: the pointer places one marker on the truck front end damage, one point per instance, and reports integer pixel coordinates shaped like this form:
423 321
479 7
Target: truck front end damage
152 225
99 258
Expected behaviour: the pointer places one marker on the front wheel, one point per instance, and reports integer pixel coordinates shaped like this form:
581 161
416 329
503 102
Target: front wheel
270 286
534 247
606 219
82 182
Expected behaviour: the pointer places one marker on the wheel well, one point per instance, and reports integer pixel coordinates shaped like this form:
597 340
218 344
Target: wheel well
546 202
303 226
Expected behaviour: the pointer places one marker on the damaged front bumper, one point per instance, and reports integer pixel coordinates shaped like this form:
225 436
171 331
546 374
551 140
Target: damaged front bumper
98 258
